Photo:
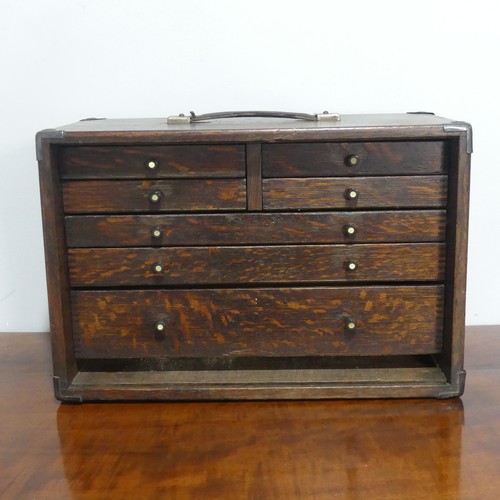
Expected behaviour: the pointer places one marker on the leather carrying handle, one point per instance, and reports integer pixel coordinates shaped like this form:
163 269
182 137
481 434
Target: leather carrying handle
193 118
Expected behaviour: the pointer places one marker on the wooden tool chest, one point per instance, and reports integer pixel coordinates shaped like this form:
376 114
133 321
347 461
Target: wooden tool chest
256 258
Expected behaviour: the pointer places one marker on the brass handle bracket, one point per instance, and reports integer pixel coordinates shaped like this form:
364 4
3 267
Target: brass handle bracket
182 119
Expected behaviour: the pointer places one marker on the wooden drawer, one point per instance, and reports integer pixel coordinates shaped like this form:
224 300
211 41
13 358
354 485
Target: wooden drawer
271 264
137 162
173 195
258 322
371 192
255 228
332 159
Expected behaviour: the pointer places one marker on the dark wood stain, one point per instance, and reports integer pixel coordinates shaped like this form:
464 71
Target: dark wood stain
256 264
259 322
131 162
255 229
329 159
133 196
374 192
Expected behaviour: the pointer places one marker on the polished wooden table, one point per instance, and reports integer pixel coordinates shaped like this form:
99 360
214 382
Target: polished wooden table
385 449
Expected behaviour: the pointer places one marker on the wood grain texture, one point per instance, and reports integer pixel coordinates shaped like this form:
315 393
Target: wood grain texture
254 176
376 449
131 162
257 264
328 159
255 229
133 196
258 322
374 192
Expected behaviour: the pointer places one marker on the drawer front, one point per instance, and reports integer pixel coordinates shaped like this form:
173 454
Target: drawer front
255 229
258 322
273 264
369 192
136 162
154 196
353 158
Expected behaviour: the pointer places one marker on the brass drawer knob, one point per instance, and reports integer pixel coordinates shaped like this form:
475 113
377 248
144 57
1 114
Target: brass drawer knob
155 196
351 194
350 324
351 265
350 230
158 268
351 160
152 164
157 232
160 329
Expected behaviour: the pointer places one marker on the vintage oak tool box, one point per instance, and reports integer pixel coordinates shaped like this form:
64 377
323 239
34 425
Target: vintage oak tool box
256 255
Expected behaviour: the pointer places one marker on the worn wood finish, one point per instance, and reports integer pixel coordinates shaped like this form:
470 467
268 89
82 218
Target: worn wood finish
329 159
259 322
113 162
254 177
373 192
256 264
348 224
255 229
375 449
133 196
56 263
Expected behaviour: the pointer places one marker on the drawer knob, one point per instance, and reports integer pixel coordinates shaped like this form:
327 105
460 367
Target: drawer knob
152 164
351 194
158 268
157 232
160 328
155 196
350 230
351 265
351 160
350 324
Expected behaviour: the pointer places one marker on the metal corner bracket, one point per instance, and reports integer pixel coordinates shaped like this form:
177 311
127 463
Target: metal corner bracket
64 397
48 133
461 127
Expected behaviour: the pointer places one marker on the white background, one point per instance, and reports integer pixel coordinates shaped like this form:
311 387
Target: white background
66 60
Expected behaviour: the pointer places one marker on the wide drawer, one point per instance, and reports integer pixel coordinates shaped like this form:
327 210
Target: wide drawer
154 196
353 158
258 322
270 264
354 193
95 162
255 228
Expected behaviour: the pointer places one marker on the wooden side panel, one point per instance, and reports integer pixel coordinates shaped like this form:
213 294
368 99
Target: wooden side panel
132 162
372 192
271 264
255 229
258 322
134 196
327 159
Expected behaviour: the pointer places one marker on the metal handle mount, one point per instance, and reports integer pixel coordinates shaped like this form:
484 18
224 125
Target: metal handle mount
193 118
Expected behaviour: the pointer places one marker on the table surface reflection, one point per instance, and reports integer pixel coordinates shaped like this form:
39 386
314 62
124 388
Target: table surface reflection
388 449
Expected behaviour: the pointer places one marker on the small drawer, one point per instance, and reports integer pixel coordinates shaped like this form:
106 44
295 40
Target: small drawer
258 322
154 196
180 266
327 159
255 228
137 162
355 193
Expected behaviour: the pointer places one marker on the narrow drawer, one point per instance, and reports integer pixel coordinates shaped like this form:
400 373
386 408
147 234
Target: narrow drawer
136 162
354 193
255 228
258 322
272 264
154 196
327 159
